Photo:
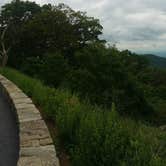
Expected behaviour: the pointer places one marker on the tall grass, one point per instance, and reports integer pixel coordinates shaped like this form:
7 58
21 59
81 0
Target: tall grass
91 135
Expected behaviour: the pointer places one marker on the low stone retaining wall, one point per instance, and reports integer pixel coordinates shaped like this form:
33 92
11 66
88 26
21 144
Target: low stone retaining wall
36 145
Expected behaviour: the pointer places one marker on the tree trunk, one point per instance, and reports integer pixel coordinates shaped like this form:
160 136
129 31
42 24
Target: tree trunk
4 52
4 59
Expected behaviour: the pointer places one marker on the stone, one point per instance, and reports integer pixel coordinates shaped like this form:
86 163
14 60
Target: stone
46 141
36 145
23 100
34 130
45 154
17 95
30 161
28 114
24 105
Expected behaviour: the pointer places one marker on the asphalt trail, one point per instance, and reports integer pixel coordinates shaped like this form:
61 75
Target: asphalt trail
9 140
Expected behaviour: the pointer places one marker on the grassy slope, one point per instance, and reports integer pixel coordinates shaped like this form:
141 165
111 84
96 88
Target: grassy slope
92 136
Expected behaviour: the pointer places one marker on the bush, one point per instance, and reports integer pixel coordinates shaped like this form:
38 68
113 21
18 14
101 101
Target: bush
100 76
93 136
51 69
54 69
95 73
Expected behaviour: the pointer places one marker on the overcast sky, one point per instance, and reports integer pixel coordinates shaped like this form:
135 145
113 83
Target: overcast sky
138 25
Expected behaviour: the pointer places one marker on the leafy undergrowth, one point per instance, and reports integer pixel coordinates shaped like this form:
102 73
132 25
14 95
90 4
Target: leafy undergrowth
93 136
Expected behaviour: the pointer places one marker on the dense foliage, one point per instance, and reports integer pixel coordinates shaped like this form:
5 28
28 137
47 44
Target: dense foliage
94 136
151 80
34 30
77 59
63 49
73 57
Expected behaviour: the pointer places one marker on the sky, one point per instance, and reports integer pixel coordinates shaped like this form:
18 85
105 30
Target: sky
137 25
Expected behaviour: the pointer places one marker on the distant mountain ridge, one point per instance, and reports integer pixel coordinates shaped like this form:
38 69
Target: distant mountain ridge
156 60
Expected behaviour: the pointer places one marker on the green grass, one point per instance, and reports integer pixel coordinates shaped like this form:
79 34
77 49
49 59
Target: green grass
93 136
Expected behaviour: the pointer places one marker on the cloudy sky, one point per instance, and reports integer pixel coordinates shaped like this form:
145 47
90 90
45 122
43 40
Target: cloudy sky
138 25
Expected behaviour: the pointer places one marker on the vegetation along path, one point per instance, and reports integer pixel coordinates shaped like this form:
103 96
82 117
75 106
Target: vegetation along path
9 141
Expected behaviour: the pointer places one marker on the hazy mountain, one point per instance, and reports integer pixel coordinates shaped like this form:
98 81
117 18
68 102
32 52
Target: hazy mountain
156 60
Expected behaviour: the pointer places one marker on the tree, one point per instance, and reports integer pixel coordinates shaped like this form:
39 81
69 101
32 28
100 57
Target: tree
4 51
19 11
13 15
47 32
86 29
100 76
61 29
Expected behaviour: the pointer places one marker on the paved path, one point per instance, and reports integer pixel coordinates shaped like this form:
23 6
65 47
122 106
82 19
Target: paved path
9 144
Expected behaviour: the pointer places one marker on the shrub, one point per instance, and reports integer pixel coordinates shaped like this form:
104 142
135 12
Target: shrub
51 69
101 77
94 136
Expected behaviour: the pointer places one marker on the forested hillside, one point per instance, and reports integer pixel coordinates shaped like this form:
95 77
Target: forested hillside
156 61
115 92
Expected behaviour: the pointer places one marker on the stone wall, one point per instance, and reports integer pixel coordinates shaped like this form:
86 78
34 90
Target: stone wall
36 145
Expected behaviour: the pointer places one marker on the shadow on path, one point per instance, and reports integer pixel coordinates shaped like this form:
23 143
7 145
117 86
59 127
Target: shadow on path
9 140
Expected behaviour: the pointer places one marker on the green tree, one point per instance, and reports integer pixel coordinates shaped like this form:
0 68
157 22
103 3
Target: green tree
61 29
13 15
34 30
103 79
